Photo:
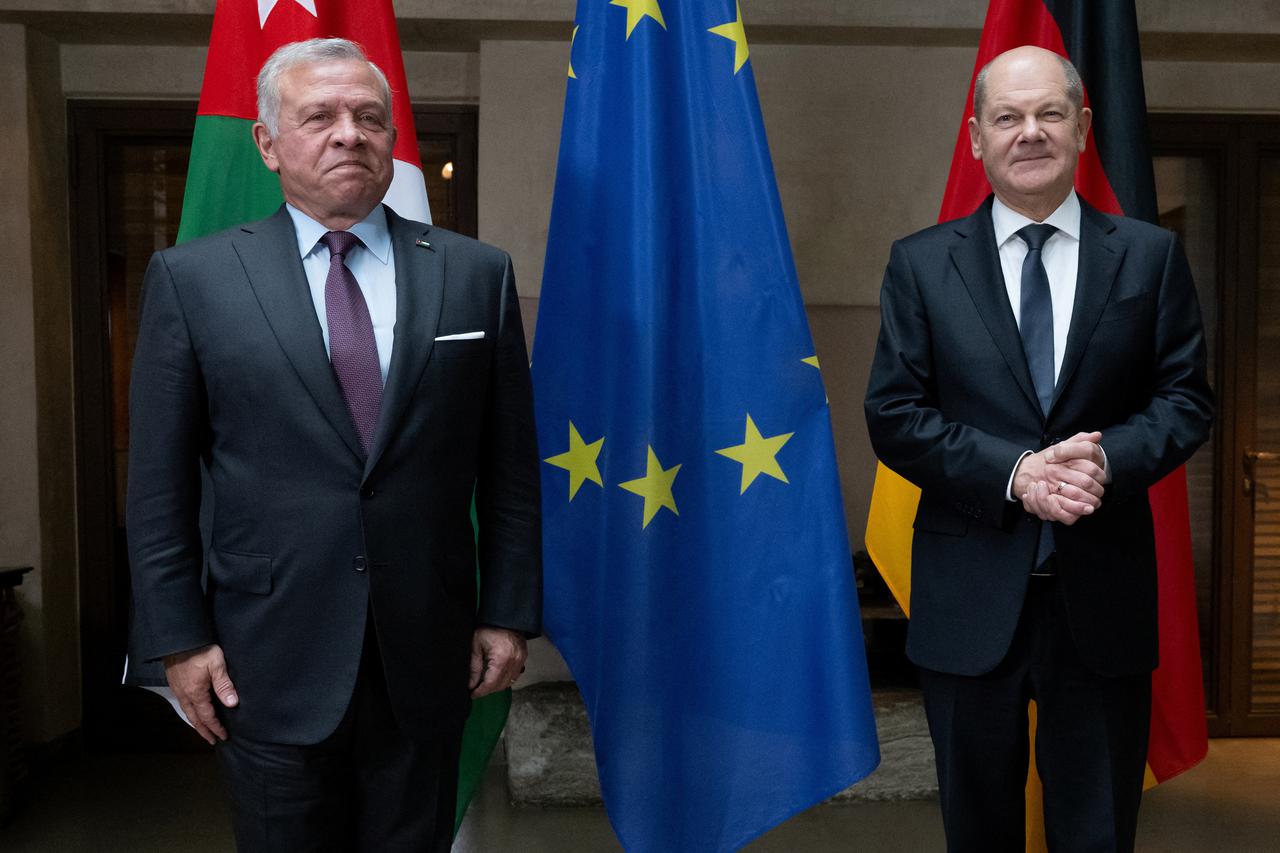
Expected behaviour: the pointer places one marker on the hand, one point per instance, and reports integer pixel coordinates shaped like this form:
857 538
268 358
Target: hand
497 659
1043 502
192 677
1082 452
1063 482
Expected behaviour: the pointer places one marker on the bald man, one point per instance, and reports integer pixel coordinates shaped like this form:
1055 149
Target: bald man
1040 365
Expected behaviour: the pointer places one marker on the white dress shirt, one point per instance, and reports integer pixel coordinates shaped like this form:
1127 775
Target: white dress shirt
372 263
1061 259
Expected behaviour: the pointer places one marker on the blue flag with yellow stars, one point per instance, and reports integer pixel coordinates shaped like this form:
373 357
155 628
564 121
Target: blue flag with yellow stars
698 579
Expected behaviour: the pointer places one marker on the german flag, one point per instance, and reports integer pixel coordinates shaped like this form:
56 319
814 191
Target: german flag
1100 37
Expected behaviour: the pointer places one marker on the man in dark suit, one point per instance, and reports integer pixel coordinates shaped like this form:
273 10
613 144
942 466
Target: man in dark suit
1039 366
351 380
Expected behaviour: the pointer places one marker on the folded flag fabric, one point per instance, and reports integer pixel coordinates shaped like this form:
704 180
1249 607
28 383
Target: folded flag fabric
698 578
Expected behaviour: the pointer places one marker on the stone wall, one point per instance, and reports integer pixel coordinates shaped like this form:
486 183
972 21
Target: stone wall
550 758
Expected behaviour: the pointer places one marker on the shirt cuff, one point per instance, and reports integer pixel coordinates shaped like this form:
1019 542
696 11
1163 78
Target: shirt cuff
1008 489
1106 467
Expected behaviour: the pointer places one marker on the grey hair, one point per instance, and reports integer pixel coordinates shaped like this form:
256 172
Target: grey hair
1075 88
290 56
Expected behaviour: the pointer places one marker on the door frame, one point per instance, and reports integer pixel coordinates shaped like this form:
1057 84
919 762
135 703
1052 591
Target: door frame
1234 143
112 717
461 121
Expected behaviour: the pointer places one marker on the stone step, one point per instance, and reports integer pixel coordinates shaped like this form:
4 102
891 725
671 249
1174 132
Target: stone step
550 760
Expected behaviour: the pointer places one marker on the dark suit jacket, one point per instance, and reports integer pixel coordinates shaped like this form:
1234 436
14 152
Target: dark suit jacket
950 406
307 529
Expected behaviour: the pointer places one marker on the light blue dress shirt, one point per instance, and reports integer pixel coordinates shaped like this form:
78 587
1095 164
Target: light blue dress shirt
373 264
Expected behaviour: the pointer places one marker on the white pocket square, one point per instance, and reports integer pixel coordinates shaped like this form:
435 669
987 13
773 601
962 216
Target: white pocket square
462 336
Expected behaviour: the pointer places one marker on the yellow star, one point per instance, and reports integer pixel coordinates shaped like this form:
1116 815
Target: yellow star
757 455
735 32
654 487
813 360
572 39
579 460
638 10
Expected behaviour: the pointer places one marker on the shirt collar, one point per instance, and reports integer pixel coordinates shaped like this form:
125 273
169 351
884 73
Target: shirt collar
1007 221
372 231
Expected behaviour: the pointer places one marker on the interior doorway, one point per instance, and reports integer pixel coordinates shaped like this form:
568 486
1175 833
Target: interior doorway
1218 186
128 174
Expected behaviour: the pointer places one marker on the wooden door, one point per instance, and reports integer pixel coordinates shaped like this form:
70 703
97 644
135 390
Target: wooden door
1218 183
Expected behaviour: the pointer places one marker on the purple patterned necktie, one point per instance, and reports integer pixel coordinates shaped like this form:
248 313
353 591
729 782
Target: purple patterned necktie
352 349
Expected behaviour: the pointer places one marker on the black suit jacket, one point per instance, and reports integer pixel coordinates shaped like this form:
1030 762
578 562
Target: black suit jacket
308 531
951 407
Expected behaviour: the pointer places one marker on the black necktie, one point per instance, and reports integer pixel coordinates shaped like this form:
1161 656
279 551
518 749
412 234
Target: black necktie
1036 322
1036 327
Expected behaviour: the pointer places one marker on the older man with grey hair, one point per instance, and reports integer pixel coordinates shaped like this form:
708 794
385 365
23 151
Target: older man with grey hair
352 381
1040 365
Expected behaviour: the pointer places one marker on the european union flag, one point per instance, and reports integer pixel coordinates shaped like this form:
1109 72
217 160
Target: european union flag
698 578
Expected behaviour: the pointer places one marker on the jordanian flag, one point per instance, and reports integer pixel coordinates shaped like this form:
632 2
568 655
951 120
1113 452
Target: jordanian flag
1100 37
227 183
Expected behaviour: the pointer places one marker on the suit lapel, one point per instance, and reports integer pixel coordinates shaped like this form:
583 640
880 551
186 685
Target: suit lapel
978 263
419 296
268 252
1100 257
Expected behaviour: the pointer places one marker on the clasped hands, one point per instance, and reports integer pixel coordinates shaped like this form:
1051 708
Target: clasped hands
1064 482
197 676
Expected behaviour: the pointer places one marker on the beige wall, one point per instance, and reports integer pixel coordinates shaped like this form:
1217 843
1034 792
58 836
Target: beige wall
861 101
1224 16
834 145
859 161
19 470
37 473
1213 86
59 678
169 71
522 88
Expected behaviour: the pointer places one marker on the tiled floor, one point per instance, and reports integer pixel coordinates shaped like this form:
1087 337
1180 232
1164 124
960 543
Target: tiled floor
172 804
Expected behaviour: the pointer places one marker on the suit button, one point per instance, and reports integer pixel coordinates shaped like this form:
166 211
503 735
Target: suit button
358 564
366 492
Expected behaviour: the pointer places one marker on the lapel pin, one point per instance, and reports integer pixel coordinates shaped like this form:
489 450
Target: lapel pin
423 243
